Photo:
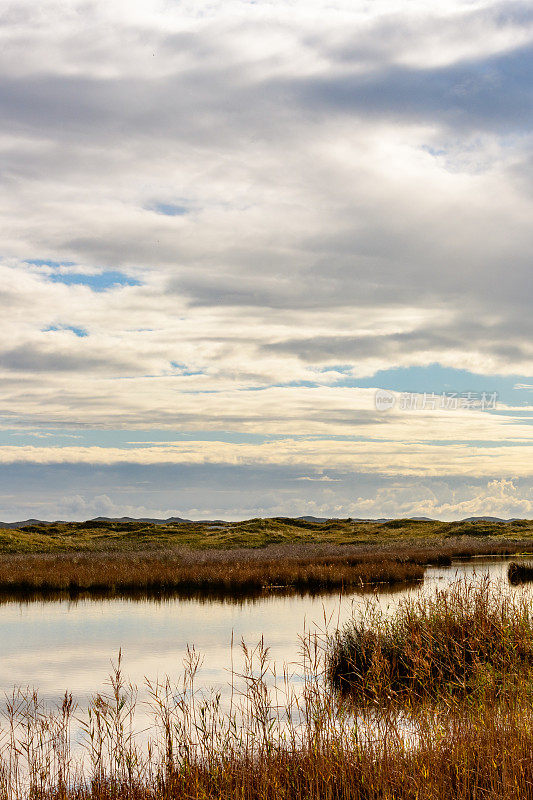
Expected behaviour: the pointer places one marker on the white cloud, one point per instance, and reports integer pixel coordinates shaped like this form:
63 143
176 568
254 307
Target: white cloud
390 458
319 478
353 182
497 498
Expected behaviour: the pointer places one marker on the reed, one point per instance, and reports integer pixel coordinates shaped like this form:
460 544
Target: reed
209 573
231 573
519 573
466 641
268 743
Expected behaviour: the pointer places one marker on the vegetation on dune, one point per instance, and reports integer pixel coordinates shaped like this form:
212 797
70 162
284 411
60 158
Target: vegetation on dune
134 535
461 642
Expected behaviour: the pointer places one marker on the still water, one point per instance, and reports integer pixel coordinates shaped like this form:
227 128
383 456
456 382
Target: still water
60 645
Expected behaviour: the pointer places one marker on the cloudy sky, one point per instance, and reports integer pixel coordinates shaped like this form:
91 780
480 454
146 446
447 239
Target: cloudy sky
227 223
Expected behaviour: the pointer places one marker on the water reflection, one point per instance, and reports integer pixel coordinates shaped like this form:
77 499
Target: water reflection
55 645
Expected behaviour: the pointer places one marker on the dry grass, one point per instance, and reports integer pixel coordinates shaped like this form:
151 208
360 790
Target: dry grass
520 573
468 641
233 573
271 746
247 572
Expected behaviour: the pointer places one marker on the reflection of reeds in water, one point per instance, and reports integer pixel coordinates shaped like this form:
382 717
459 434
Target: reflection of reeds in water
235 573
273 743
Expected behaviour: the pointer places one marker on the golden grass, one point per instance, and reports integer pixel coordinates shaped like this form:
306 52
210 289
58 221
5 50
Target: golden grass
236 572
269 745
520 573
464 641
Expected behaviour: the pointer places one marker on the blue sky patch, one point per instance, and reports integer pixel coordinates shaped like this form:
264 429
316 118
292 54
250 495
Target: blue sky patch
170 209
44 262
438 379
98 282
184 370
129 439
81 332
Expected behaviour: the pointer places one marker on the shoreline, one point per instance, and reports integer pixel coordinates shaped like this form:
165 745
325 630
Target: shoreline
239 573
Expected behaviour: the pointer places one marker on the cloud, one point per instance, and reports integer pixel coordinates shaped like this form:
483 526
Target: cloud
498 497
459 96
496 343
77 491
390 458
260 193
319 478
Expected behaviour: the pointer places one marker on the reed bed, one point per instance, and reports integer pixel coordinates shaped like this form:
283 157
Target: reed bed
271 742
459 758
519 573
193 573
225 574
467 641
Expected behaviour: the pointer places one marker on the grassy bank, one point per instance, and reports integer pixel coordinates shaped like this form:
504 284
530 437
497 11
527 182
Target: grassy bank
236 559
461 642
132 535
217 573
271 744
233 573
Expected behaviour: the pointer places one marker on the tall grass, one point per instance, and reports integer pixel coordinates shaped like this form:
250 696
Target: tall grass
467 640
269 743
310 569
237 572
519 572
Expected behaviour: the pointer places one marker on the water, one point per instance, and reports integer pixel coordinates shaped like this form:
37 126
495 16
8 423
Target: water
55 646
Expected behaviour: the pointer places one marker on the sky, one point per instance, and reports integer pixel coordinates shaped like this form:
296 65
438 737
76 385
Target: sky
266 258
